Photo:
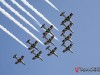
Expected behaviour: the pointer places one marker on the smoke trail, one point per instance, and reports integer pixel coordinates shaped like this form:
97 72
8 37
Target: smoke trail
37 12
14 37
17 13
47 1
19 6
24 10
18 24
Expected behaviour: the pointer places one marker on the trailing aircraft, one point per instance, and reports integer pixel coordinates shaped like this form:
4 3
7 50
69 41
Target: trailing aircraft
37 55
32 45
19 60
52 51
49 40
47 30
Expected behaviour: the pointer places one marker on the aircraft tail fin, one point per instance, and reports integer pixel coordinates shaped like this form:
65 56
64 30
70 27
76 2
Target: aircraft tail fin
28 41
47 47
43 26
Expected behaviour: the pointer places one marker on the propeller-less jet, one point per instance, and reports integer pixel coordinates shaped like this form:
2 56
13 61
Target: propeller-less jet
49 40
47 30
67 38
68 48
32 45
67 28
37 55
66 18
52 51
19 60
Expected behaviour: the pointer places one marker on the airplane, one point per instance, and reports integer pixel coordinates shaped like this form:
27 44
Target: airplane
49 40
51 51
37 55
47 30
67 28
66 18
68 48
32 45
67 38
19 60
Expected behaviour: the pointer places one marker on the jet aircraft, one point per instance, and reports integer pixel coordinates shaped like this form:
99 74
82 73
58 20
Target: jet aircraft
67 38
68 48
49 40
32 45
19 60
67 28
52 51
37 55
47 30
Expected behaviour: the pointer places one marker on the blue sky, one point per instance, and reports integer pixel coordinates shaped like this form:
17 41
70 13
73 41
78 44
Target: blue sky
86 41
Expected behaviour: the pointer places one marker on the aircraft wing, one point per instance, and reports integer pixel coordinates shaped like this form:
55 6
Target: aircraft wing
34 58
22 57
35 43
19 62
40 58
40 52
44 34
22 62
51 33
47 42
55 54
52 43
30 48
49 54
16 62
71 51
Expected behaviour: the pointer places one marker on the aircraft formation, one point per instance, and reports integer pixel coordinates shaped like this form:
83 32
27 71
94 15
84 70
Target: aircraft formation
67 27
49 40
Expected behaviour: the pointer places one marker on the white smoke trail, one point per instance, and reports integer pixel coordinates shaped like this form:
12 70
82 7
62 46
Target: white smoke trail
37 12
47 1
13 36
24 10
18 24
17 13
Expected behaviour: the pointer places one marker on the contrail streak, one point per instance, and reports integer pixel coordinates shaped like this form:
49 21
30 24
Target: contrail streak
37 12
19 6
47 1
17 13
18 24
13 36
24 10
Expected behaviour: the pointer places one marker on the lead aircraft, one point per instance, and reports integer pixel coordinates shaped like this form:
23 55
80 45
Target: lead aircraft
68 18
47 30
37 55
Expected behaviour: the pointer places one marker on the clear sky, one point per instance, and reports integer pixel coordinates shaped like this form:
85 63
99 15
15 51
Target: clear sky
86 39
